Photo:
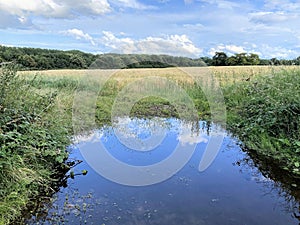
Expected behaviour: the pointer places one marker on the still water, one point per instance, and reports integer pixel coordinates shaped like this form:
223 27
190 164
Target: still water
230 191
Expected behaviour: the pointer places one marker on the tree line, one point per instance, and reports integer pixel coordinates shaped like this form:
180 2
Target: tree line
242 59
47 59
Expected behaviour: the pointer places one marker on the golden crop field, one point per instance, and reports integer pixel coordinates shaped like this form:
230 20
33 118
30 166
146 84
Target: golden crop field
226 74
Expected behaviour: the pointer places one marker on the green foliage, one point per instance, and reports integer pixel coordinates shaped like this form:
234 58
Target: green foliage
265 114
33 139
242 59
45 59
220 59
118 61
153 107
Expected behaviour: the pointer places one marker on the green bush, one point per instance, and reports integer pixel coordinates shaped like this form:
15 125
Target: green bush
265 114
33 139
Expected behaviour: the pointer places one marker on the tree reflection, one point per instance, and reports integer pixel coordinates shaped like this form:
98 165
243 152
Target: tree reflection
275 180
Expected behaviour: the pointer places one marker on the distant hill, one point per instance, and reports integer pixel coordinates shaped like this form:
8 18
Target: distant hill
46 59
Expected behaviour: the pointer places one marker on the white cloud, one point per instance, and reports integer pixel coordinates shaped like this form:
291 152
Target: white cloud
170 44
23 14
235 49
38 7
263 50
22 22
232 49
111 41
272 17
66 8
36 10
188 1
282 5
197 26
222 4
131 4
54 8
278 52
79 35
187 134
187 138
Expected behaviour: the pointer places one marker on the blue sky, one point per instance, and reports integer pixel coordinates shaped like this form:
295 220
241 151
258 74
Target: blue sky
190 28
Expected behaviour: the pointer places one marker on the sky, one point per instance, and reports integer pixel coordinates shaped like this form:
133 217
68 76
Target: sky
192 28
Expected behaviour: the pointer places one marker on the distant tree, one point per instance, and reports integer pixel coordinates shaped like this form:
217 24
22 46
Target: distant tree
128 60
118 61
286 62
219 59
42 63
296 61
77 62
232 61
253 59
264 62
242 59
27 61
7 55
274 62
208 61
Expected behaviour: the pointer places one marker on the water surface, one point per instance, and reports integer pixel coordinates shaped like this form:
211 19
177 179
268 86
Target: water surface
231 191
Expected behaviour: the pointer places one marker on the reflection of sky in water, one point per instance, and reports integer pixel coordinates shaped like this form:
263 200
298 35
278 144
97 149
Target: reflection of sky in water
143 128
141 142
226 193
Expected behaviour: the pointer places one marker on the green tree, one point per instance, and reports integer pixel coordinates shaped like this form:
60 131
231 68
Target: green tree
275 62
27 61
264 62
219 59
77 62
297 61
207 61
253 59
242 59
231 61
42 63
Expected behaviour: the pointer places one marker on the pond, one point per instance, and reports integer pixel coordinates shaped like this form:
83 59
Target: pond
149 173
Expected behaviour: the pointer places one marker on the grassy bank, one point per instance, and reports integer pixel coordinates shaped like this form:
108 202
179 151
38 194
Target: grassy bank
265 114
34 134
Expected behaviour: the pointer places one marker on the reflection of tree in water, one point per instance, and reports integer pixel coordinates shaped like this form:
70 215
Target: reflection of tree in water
39 210
200 127
275 180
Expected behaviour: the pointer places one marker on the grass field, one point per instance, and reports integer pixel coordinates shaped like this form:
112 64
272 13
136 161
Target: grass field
262 110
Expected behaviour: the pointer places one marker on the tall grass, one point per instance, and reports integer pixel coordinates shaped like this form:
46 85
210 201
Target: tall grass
265 114
33 139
